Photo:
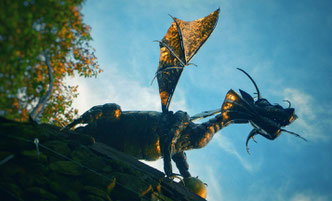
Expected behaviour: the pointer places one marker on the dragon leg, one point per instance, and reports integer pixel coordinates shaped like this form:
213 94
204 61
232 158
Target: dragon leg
180 160
179 121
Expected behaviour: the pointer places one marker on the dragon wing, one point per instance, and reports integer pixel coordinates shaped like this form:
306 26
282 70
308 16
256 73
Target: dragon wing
204 114
179 45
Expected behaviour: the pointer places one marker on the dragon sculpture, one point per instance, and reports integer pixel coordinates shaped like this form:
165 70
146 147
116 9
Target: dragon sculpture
150 135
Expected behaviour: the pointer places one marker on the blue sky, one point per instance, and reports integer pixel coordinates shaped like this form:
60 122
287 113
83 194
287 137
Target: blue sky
286 46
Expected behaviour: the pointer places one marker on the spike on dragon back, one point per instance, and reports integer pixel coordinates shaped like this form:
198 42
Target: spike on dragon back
150 135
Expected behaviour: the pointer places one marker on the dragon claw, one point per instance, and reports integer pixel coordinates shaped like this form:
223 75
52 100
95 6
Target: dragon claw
248 150
173 176
251 135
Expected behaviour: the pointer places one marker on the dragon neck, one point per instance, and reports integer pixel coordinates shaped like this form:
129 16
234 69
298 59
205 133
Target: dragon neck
199 135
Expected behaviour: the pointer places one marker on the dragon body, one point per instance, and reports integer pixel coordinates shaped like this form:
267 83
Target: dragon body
149 135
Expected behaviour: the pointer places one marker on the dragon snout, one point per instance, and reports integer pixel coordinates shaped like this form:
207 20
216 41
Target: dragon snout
291 116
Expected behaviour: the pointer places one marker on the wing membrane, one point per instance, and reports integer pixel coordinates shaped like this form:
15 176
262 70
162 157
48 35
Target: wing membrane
179 45
195 33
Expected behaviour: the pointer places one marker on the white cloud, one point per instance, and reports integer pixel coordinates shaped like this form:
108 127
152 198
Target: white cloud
282 192
308 197
113 86
304 102
214 192
308 111
225 144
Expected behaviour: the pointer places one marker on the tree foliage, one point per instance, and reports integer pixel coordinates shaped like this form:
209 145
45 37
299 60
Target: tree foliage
28 30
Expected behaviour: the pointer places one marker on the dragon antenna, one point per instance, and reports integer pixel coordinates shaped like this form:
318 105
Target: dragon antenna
297 135
258 93
289 103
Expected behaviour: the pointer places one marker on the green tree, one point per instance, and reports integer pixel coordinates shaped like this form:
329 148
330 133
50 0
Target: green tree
30 29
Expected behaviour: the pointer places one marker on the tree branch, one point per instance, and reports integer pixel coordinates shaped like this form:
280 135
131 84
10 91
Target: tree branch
43 101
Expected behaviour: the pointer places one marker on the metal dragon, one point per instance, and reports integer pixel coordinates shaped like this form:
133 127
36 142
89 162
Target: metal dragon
150 135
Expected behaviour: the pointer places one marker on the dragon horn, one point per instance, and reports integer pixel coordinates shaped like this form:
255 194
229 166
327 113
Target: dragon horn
258 93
